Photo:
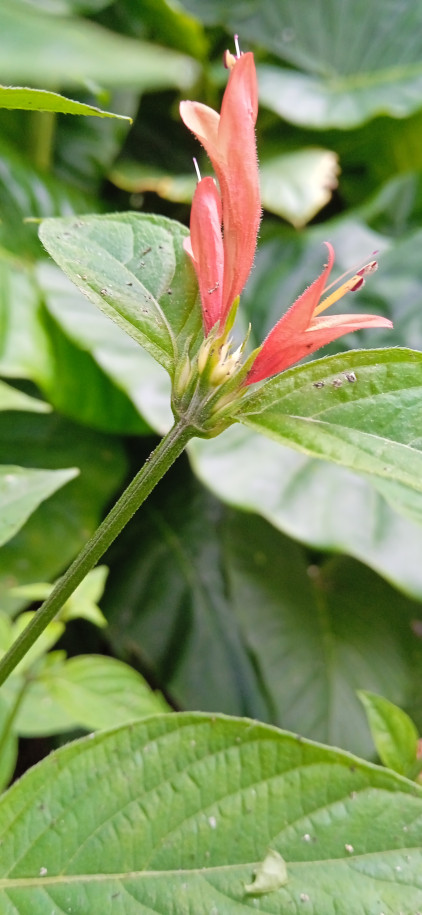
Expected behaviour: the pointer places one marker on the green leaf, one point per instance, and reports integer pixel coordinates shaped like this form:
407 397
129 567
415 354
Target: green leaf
297 185
41 100
44 642
97 372
196 802
62 524
319 503
360 60
393 732
133 267
52 50
89 691
22 490
180 626
9 748
13 399
317 635
98 692
82 604
369 421
28 193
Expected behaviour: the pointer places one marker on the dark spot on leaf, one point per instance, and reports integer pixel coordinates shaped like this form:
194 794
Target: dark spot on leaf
319 384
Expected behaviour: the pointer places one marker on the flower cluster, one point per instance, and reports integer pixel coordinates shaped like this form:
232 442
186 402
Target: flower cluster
224 228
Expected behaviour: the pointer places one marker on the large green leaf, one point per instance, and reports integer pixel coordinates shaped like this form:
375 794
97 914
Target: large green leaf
314 631
345 81
320 504
22 490
55 50
86 366
28 193
175 814
179 626
41 100
360 409
133 267
239 623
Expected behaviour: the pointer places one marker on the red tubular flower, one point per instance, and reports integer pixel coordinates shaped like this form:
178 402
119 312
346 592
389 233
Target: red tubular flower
224 227
229 140
205 247
301 331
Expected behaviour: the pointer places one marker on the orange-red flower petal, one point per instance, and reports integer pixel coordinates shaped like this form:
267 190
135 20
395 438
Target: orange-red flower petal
205 248
229 140
298 333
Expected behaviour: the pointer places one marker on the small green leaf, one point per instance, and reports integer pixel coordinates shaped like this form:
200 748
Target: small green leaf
42 100
61 524
44 642
393 732
270 875
134 269
13 399
22 490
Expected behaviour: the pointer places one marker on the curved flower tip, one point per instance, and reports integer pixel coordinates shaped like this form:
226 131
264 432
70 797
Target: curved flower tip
301 330
229 140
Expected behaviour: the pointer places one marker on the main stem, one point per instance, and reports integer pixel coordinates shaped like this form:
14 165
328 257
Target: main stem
170 447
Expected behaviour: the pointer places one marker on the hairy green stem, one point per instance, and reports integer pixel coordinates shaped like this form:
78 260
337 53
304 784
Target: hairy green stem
170 447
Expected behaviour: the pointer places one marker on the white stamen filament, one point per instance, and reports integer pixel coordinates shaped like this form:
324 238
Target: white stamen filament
198 173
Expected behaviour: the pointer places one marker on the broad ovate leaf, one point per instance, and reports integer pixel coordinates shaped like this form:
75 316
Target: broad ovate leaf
177 812
134 268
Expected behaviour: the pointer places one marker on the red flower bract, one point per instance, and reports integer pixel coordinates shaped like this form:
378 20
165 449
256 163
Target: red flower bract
229 140
224 227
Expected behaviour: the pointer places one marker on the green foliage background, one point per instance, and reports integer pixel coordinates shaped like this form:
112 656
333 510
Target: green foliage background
255 581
